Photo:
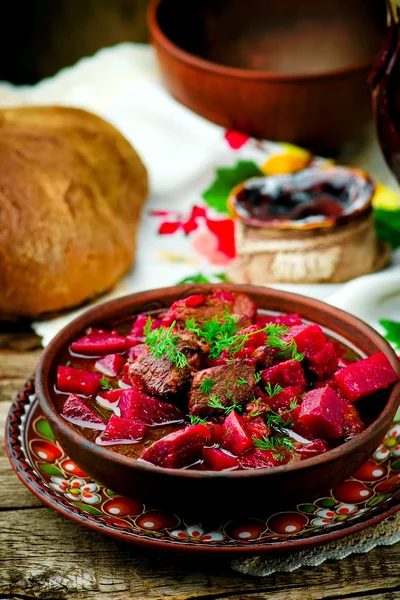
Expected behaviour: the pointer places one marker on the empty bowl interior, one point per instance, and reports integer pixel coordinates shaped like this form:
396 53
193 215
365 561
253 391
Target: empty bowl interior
286 37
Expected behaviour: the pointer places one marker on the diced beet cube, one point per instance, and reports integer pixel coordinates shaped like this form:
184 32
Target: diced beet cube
216 432
365 377
112 395
138 326
324 362
244 308
76 411
121 431
153 412
224 296
289 320
309 338
331 382
283 400
352 423
110 400
178 449
255 339
322 412
218 460
194 300
312 449
136 351
286 374
98 342
297 426
137 331
235 437
77 381
263 459
256 427
110 365
217 362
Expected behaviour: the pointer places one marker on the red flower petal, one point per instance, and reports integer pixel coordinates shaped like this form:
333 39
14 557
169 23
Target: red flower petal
198 211
189 226
236 139
223 229
169 227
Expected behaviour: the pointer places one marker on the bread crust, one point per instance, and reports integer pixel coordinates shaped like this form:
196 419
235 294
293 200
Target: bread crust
71 193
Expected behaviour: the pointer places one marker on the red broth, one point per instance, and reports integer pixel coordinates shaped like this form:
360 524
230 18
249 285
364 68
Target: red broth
274 419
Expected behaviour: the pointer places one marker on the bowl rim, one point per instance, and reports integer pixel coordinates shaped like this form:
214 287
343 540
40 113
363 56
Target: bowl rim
203 64
105 310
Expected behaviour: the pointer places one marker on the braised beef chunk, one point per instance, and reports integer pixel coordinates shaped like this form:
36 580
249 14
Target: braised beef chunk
209 307
193 347
203 308
160 376
218 387
264 355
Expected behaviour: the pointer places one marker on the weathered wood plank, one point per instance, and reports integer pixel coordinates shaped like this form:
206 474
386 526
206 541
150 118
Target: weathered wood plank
13 493
15 368
47 556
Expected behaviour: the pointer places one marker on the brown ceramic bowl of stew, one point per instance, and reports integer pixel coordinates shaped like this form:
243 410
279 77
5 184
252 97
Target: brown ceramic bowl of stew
291 70
295 472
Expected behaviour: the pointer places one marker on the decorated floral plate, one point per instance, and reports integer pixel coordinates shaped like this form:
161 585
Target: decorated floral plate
370 496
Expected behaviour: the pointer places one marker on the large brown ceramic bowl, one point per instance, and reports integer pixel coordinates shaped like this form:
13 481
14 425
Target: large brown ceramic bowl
217 492
293 70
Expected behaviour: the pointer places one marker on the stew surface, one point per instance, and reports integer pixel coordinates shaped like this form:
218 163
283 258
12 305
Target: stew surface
213 383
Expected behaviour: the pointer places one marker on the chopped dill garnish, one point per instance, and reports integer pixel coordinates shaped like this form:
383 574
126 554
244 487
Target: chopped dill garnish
287 350
105 384
279 456
68 363
222 334
273 391
274 444
256 413
218 333
257 377
195 420
163 342
215 402
206 384
275 421
242 381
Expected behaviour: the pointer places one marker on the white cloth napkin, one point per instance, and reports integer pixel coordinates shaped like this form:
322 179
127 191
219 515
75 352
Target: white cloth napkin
182 152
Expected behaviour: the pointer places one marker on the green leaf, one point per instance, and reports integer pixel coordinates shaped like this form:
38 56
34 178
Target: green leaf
326 502
392 331
43 428
227 177
200 278
307 508
396 465
377 500
88 508
50 470
387 223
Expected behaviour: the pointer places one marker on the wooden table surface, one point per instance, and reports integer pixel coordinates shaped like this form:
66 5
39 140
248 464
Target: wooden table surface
44 555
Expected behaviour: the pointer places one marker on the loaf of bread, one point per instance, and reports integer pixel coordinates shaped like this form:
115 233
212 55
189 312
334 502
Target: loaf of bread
71 193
